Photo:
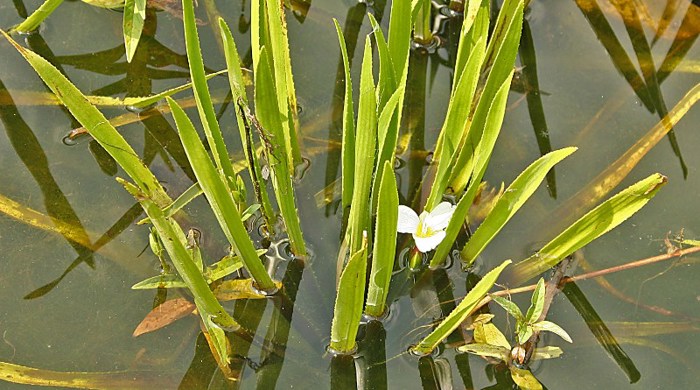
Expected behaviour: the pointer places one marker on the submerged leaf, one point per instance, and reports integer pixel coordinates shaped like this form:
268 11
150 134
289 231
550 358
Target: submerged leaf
524 379
239 289
486 350
548 352
160 281
164 315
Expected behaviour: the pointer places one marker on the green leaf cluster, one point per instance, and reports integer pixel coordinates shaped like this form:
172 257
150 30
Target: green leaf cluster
529 323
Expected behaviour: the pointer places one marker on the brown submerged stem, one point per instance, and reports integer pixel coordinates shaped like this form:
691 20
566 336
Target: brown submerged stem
594 274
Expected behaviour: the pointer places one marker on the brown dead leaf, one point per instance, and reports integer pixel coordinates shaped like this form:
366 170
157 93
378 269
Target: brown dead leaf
164 315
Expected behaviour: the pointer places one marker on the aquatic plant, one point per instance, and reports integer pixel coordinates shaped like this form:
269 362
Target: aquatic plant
134 16
482 78
370 198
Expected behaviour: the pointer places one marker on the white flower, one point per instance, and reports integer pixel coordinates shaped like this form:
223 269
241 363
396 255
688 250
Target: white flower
428 229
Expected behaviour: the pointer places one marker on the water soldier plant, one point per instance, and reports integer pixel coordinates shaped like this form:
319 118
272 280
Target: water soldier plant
216 178
483 74
370 273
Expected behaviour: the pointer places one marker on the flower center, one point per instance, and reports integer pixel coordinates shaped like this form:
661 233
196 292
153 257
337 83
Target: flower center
423 230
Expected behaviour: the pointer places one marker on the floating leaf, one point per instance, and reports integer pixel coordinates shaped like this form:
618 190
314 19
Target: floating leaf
88 380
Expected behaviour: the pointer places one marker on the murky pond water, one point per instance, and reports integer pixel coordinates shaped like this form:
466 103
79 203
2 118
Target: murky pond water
69 307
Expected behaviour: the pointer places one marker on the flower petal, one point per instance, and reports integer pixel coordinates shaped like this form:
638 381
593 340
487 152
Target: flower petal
440 216
426 244
408 220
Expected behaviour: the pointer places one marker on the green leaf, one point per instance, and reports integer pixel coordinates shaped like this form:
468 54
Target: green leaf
481 157
143 101
185 198
594 224
219 198
524 332
486 350
134 16
384 243
34 20
174 241
160 281
365 144
238 92
348 142
202 96
249 211
271 121
98 126
400 25
500 58
226 266
509 307
217 338
348 304
456 122
536 303
552 327
278 51
524 379
510 202
461 312
386 84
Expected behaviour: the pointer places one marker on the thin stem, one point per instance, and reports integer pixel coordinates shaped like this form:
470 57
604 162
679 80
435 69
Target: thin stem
595 274
38 16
